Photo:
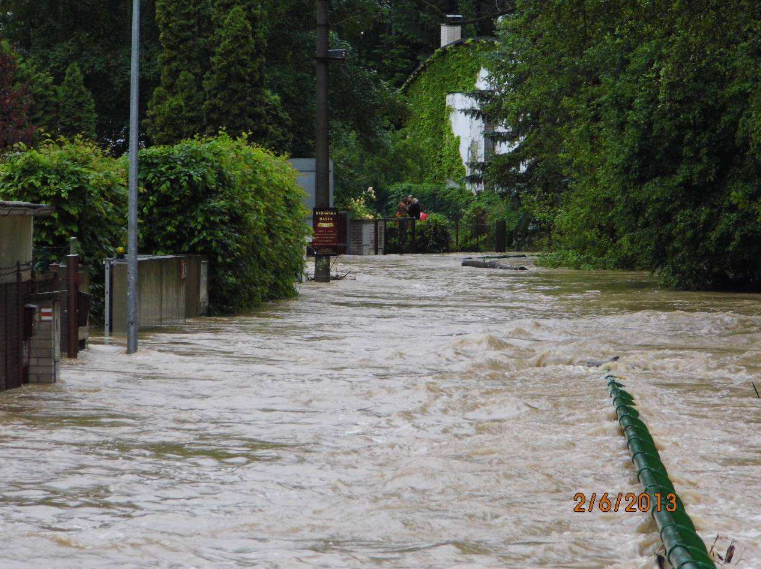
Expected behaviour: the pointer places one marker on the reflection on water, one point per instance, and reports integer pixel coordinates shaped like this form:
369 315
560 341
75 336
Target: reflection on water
420 415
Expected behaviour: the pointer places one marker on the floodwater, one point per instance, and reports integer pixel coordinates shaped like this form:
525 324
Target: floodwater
415 414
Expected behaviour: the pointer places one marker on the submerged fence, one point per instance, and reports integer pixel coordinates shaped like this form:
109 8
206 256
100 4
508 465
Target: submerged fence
22 290
14 294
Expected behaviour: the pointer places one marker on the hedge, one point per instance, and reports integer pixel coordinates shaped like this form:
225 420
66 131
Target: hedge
222 197
237 203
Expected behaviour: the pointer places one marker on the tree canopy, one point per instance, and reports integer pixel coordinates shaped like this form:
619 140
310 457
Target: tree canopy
637 126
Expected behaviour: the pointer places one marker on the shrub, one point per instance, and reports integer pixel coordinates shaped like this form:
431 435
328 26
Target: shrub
239 204
87 189
434 235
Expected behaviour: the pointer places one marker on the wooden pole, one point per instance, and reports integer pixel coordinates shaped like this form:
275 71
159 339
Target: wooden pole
72 276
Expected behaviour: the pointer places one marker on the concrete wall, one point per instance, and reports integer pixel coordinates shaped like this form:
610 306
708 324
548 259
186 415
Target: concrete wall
307 168
197 286
170 290
16 233
161 293
45 345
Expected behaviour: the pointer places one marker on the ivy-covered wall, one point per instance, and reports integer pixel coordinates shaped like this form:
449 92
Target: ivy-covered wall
452 69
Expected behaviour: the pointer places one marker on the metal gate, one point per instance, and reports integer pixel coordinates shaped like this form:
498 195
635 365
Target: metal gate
13 296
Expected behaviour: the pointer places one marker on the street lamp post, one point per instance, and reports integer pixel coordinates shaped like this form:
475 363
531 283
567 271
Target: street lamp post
134 149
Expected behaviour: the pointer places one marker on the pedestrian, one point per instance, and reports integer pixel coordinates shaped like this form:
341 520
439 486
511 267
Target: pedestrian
413 209
402 210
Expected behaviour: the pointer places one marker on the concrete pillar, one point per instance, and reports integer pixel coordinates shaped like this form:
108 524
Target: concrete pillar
45 345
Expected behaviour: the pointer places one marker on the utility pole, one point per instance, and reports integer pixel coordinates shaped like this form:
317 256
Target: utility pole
322 140
134 150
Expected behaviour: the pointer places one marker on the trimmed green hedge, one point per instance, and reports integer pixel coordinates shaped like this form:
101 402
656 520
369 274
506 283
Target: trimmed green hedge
239 204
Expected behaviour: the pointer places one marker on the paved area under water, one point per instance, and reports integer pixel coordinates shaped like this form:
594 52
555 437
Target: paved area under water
416 414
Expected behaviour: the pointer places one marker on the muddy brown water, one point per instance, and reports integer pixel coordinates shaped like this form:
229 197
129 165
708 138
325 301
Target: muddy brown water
416 414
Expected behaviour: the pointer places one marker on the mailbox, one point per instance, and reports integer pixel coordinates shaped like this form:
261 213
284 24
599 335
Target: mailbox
30 314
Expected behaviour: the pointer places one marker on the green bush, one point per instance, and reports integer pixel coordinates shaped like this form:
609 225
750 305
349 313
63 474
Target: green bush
87 190
434 234
237 203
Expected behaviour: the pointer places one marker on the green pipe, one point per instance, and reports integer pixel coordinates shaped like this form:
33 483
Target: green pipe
684 547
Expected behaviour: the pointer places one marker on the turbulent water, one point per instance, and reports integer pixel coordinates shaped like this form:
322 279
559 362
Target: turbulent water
415 414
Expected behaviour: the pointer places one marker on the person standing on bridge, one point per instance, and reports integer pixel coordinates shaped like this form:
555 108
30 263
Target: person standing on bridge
402 209
413 208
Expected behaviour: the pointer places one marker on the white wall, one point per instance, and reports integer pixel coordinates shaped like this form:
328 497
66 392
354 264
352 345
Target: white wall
470 129
15 244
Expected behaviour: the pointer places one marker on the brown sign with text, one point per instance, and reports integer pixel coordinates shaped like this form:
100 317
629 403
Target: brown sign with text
326 233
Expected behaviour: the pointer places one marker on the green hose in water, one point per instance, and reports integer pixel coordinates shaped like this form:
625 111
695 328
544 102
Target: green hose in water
684 547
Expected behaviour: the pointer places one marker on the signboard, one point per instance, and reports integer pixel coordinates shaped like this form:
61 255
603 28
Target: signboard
326 235
46 314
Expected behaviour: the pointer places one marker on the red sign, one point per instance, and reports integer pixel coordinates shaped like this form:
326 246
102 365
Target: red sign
326 235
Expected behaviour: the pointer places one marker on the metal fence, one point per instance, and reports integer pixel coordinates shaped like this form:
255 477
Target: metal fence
18 285
401 236
14 294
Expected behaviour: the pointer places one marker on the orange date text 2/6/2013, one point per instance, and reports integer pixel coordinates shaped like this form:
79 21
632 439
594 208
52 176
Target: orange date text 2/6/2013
620 502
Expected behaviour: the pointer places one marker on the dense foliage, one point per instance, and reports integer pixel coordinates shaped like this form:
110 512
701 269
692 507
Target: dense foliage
428 133
52 34
220 197
87 190
638 128
236 98
15 102
176 108
234 202
434 235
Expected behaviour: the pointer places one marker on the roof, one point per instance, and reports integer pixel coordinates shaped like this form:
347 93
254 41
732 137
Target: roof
439 52
24 209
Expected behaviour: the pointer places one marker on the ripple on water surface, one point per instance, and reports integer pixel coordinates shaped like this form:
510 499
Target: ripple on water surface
419 415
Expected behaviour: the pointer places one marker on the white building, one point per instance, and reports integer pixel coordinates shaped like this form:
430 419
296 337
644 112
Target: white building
437 89
475 143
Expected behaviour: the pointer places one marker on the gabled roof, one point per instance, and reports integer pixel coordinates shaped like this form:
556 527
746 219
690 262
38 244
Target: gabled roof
24 209
439 53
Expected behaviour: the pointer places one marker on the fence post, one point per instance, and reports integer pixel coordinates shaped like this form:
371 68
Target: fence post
414 235
376 236
20 326
107 264
500 237
72 276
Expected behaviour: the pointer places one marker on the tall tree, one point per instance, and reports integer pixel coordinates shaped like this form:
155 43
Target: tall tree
15 124
43 110
96 34
637 127
236 99
176 109
76 106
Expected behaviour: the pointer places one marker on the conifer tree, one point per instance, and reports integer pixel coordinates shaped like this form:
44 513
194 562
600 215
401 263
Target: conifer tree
176 109
43 109
15 125
236 99
76 107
